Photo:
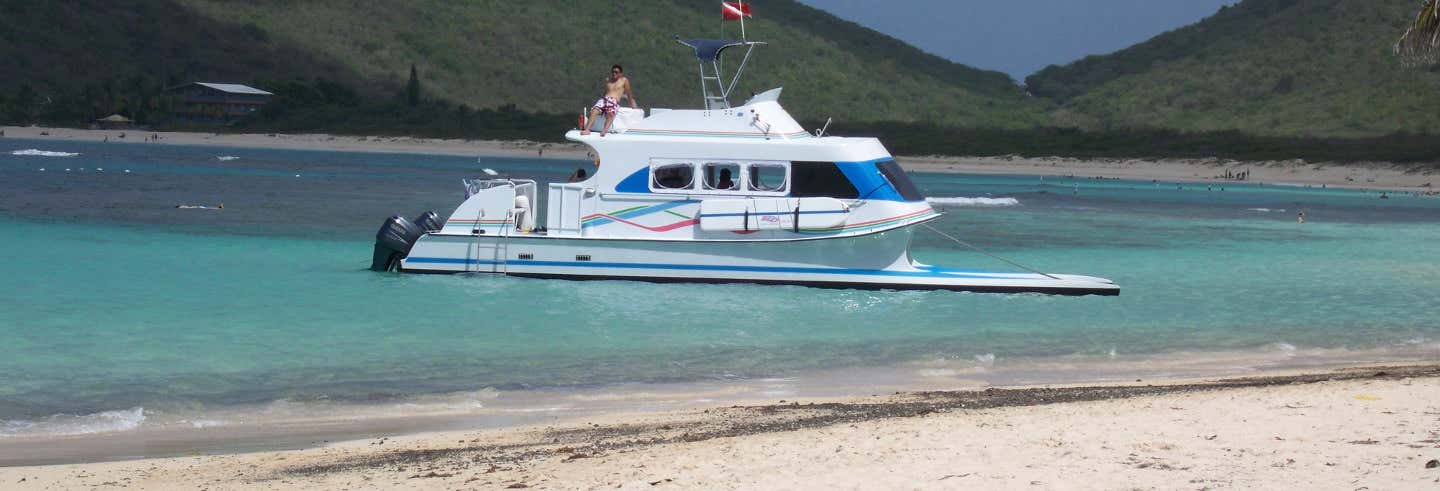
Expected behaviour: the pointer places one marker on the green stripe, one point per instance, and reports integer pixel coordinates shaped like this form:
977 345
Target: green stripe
616 213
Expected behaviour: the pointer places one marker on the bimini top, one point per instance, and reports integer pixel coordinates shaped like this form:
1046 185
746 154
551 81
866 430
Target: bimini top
709 49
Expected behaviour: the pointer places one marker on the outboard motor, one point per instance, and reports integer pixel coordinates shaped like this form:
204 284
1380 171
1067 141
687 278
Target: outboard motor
429 221
393 243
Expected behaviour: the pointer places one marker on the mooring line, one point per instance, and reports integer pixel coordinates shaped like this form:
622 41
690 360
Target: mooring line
987 253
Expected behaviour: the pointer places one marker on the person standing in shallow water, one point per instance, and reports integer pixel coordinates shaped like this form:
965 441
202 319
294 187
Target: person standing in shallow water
616 86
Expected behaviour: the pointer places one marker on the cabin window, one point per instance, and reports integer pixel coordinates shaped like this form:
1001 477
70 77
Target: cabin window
900 180
820 180
672 176
767 177
722 176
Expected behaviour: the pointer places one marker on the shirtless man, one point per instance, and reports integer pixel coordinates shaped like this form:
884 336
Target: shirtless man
615 86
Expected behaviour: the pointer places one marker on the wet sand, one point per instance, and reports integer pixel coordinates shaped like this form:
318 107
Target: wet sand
1366 175
1376 427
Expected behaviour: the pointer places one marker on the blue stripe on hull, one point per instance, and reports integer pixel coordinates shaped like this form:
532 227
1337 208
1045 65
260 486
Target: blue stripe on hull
928 272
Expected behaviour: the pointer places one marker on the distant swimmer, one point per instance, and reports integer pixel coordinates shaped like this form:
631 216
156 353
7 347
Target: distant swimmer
1300 218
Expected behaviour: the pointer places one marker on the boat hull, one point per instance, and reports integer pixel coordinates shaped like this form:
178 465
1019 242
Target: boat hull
874 261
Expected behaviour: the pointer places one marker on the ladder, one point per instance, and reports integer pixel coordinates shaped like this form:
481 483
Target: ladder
502 245
719 98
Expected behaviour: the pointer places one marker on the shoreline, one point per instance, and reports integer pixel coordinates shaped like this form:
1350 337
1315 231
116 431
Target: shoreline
1372 176
1370 425
1368 175
283 424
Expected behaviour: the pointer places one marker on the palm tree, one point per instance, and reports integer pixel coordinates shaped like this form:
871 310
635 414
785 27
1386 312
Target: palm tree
1421 43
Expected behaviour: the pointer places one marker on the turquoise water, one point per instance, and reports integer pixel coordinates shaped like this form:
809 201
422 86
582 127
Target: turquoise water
112 299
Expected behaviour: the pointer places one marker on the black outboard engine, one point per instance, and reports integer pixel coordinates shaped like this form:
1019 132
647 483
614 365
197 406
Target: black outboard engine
429 221
393 243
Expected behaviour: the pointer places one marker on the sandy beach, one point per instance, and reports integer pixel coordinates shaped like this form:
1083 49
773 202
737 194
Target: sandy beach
1365 427
1371 175
1357 175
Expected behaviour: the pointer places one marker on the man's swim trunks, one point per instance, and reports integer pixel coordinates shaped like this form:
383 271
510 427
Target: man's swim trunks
607 105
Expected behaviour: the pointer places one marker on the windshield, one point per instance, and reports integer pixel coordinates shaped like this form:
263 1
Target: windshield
900 180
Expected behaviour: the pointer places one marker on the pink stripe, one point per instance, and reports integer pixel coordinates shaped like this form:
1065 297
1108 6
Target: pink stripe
665 228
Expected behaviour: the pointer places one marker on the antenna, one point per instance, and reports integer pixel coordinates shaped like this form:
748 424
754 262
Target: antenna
821 132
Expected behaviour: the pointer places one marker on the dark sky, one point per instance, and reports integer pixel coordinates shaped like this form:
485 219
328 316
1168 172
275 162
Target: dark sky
1019 37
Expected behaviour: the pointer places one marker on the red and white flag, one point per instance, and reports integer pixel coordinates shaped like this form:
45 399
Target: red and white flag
735 10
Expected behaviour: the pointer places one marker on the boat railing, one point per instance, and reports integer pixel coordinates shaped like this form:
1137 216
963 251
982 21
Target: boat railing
475 185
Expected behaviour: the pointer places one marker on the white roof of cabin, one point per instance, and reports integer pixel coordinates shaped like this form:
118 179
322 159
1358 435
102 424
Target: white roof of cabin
234 88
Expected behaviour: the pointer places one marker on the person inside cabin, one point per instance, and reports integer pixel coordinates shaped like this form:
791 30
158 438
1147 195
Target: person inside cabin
726 183
616 86
578 176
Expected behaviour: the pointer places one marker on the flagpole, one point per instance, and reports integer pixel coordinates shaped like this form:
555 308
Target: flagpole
742 20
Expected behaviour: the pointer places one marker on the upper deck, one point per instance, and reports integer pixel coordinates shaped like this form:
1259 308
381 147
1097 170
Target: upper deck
760 129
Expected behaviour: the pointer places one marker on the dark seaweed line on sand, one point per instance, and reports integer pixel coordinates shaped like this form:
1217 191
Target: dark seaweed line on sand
737 421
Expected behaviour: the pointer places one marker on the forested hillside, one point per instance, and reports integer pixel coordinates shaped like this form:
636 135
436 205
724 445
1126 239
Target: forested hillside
67 61
1265 67
539 56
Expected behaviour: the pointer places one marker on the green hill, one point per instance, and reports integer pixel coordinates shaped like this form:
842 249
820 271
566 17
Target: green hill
72 60
1266 67
543 55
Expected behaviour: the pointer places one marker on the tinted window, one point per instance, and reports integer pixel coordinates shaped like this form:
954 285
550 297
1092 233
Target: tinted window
767 177
673 176
722 176
820 180
900 180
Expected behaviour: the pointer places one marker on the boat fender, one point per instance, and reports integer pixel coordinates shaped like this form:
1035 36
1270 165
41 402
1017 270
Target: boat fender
796 220
393 242
429 221
746 220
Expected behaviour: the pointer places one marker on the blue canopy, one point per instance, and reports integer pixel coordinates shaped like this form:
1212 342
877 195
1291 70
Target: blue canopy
708 49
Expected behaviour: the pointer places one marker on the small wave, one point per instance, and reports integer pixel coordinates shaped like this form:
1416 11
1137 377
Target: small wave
1265 210
206 423
34 152
986 360
938 372
68 425
963 201
226 158
1283 347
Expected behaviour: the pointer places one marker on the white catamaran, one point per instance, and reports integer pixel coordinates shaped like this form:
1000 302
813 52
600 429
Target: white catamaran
733 194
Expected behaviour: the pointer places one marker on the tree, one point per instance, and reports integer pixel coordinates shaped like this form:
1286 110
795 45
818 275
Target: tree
25 108
1421 43
412 89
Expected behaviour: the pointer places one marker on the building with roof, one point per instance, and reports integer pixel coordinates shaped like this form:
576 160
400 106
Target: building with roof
215 102
113 122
